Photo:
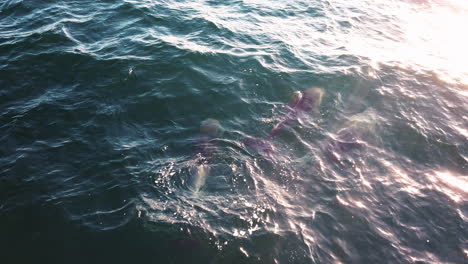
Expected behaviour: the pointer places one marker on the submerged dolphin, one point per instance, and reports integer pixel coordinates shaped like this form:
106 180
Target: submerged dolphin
359 131
301 104
209 129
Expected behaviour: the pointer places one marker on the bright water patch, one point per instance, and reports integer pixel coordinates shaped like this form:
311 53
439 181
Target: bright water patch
102 158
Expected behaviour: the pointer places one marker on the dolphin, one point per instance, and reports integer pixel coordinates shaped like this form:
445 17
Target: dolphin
301 103
359 131
210 129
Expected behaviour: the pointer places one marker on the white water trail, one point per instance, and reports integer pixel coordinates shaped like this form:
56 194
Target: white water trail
199 176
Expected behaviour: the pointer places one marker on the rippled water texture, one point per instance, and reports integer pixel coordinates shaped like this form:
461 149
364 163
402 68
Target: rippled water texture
106 158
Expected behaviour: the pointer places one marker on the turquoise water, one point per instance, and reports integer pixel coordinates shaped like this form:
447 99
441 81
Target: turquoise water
103 159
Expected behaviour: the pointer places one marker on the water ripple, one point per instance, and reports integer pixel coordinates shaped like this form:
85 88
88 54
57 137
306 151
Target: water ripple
104 106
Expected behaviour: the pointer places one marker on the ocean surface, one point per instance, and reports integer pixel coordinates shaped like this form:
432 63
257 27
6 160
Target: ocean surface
104 157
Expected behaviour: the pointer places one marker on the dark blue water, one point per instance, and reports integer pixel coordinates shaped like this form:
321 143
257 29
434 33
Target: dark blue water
106 155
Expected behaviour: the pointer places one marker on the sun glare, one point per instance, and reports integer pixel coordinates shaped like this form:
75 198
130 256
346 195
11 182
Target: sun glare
436 40
454 186
422 37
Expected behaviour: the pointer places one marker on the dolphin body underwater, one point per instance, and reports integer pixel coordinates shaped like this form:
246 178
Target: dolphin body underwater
301 104
210 129
358 132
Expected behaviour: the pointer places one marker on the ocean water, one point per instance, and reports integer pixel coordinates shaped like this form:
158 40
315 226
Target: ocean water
102 158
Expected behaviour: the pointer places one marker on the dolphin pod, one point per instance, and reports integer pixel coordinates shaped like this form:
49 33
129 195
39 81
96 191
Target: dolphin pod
349 136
